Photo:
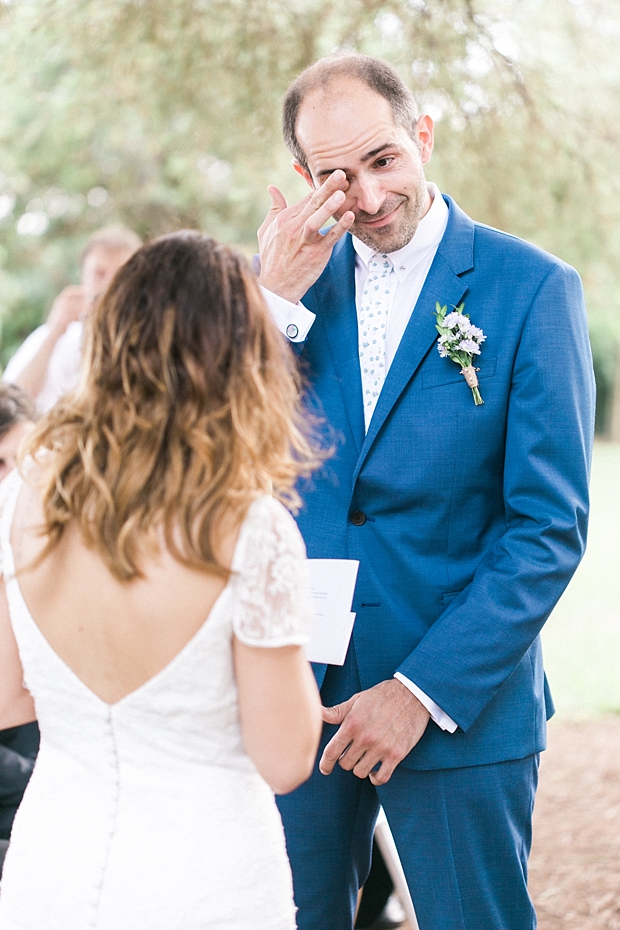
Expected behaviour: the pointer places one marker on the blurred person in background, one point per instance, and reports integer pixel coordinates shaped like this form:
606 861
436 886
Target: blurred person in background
47 364
18 745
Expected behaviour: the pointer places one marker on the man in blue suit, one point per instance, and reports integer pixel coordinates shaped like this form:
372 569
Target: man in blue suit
468 520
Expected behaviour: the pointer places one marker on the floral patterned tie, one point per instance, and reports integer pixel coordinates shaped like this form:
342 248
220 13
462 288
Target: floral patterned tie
372 329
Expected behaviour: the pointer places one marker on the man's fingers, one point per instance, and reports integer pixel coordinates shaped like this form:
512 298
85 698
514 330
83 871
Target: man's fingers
68 306
352 759
332 753
278 200
341 742
340 228
365 764
338 712
319 218
383 773
319 197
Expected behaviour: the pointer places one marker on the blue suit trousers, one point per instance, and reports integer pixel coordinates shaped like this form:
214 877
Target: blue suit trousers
463 836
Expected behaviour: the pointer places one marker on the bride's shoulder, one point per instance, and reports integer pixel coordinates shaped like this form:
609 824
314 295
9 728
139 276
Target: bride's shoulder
268 523
270 513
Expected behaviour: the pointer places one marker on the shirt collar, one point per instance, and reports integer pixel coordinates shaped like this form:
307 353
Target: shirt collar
427 237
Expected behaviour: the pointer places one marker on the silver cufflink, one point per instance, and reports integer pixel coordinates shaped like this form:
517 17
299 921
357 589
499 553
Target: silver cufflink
292 331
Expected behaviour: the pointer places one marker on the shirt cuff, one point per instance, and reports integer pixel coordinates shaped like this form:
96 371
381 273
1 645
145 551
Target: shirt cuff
293 320
437 714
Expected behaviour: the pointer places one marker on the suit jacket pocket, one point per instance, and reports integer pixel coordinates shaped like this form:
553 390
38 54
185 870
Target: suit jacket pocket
449 372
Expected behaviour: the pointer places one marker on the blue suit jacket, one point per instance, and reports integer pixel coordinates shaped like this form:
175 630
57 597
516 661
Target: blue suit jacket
475 516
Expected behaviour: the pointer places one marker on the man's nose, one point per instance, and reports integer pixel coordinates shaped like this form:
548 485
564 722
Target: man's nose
369 194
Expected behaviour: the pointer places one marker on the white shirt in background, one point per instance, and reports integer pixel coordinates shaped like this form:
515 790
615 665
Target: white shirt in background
63 370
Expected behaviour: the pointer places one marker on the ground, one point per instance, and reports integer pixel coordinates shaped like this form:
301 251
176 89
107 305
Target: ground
575 862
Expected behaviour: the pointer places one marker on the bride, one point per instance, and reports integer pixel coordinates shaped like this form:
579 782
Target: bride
153 611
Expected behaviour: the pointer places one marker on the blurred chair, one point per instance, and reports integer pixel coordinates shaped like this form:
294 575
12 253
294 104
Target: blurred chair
4 845
385 842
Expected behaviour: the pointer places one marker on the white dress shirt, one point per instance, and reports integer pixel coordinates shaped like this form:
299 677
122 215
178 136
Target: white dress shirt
63 370
411 266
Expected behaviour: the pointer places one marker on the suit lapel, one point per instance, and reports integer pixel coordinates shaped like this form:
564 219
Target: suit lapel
334 294
454 256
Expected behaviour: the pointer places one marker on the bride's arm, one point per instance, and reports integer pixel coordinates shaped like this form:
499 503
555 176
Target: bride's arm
16 704
280 712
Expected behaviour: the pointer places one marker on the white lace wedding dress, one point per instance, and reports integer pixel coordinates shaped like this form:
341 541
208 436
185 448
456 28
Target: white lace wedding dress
148 814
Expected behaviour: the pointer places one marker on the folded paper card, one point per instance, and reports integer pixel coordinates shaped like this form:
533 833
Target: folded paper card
332 583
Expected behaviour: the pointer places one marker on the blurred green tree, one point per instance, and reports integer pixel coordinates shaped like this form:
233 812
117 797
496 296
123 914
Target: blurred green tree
166 114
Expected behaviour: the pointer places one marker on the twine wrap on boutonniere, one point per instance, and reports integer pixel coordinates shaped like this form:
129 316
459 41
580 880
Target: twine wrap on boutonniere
459 340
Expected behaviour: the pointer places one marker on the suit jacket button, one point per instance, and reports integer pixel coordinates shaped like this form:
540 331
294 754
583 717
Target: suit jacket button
292 331
358 518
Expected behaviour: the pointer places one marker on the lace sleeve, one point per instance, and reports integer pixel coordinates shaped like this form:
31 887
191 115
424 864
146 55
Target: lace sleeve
272 607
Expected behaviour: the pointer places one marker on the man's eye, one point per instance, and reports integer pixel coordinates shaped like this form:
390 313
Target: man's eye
383 162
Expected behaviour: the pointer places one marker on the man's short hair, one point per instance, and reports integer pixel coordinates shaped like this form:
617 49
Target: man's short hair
373 72
15 407
113 238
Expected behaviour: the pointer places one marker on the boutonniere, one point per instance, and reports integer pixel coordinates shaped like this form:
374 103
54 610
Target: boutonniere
459 340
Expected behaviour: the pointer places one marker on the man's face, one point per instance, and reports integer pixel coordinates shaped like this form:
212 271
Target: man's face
100 266
349 126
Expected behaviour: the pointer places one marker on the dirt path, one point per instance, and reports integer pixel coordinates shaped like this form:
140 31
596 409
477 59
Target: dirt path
575 862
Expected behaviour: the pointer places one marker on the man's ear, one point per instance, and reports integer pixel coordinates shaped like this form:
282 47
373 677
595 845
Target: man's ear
299 168
425 134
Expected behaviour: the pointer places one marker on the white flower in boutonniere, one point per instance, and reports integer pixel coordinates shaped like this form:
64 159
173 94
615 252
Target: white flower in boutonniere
459 340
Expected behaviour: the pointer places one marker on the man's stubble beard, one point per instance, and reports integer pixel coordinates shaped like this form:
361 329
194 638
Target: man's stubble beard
386 239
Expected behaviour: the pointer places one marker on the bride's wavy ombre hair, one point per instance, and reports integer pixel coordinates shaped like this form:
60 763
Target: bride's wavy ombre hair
189 408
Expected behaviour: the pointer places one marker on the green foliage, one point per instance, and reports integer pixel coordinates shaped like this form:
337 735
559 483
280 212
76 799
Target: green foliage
581 639
166 114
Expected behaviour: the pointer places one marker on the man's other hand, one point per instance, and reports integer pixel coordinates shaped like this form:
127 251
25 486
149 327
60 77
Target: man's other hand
293 253
68 307
380 725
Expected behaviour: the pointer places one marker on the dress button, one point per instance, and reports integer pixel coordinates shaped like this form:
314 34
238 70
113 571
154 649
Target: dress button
292 331
358 518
